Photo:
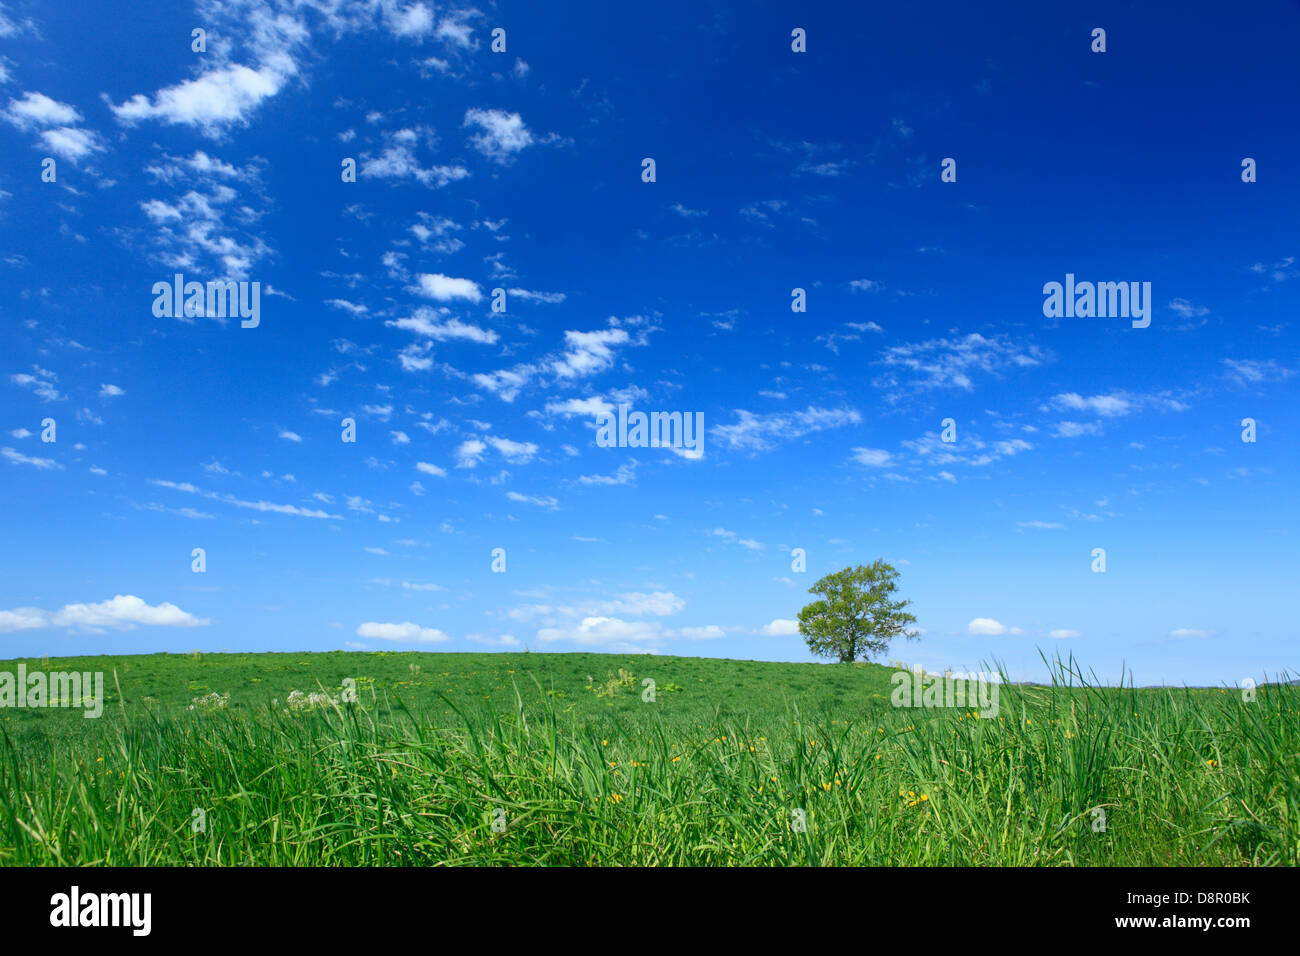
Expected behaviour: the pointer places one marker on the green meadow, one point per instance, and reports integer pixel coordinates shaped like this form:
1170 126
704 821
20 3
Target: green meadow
568 759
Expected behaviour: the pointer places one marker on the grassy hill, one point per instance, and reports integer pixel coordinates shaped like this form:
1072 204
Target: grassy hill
566 759
435 684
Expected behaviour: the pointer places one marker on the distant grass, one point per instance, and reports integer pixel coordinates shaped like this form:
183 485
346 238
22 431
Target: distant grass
713 773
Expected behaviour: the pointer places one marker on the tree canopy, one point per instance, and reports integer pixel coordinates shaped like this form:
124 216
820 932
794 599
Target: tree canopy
856 615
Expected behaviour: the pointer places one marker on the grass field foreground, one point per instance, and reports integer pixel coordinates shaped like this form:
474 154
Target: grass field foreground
561 759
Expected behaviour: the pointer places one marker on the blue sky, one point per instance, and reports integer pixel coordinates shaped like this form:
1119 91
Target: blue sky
774 170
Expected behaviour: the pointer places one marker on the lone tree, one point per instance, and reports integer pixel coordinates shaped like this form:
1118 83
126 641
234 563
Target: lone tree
856 616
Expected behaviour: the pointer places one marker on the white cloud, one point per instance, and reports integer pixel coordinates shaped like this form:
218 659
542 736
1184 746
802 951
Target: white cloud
687 213
1077 429
1252 372
1279 271
780 627
761 212
986 625
1108 406
709 632
951 363
501 135
505 640
1184 632
584 354
542 502
638 604
592 408
291 436
430 469
213 102
1112 405
36 110
398 162
634 604
455 32
625 474
265 506
199 166
122 612
588 352
610 632
424 322
70 144
1187 310
470 453
1064 633
352 307
9 29
515 452
110 391
18 458
873 457
445 288
416 357
42 383
416 21
759 432
191 225
506 383
436 227
418 585
547 298
404 633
